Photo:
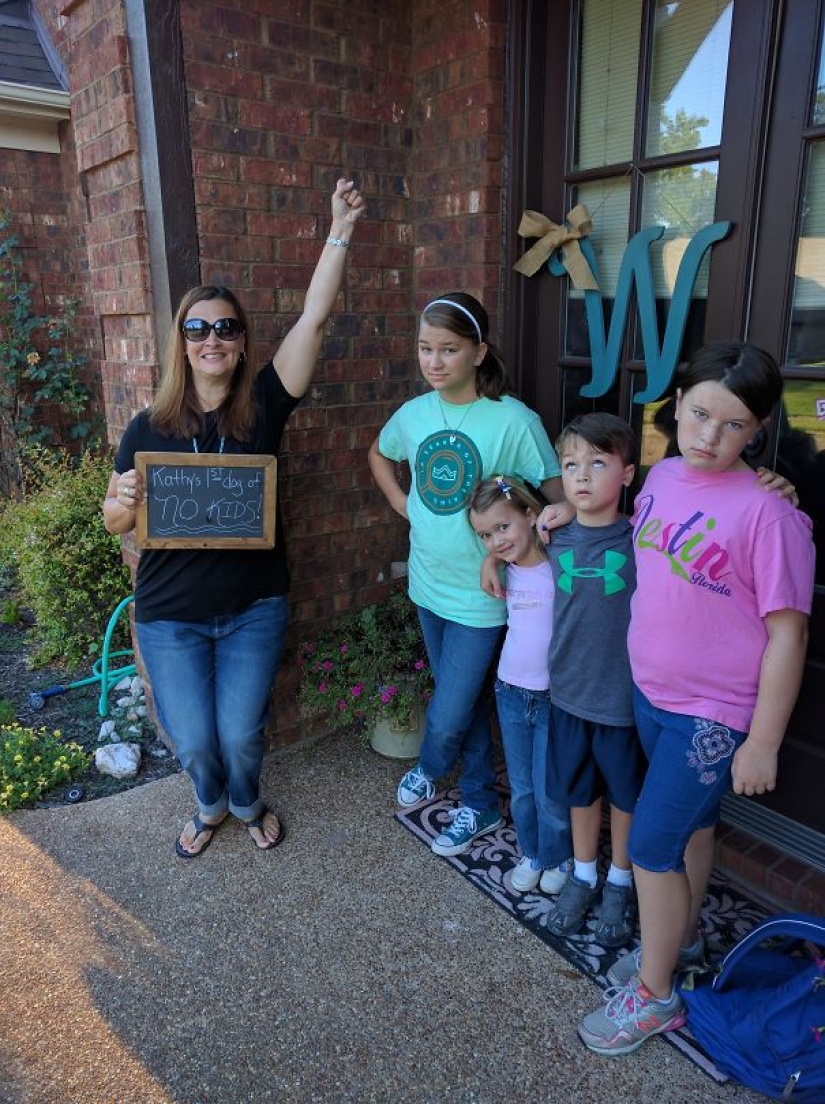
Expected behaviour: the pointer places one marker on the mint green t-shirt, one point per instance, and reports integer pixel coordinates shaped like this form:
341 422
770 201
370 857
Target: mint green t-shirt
450 449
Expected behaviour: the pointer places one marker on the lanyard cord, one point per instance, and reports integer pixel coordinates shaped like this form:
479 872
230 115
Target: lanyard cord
220 450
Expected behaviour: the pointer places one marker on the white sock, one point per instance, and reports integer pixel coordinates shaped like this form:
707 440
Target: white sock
617 876
586 872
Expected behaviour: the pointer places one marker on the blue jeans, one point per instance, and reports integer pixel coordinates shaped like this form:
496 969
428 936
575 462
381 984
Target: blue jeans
687 777
542 825
458 724
211 681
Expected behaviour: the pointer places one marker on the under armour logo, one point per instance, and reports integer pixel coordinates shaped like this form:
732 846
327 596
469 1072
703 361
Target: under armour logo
613 563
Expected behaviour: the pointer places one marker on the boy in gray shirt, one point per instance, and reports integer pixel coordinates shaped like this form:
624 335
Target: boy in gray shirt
594 747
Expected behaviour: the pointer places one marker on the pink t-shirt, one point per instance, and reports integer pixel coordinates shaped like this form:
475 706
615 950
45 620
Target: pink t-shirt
525 654
714 554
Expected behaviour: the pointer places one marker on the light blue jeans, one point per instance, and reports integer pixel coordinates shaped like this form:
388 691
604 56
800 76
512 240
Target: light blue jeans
542 825
458 724
211 682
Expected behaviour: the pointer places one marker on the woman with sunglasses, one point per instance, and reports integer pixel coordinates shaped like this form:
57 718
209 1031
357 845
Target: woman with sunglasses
211 623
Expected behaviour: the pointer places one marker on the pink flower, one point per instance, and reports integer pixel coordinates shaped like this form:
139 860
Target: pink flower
323 687
344 649
327 665
419 665
357 690
342 705
388 693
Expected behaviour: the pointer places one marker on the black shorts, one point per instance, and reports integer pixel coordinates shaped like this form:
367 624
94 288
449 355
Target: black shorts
586 761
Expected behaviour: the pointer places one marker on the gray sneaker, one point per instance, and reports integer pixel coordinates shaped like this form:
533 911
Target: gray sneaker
630 1016
623 969
617 915
572 906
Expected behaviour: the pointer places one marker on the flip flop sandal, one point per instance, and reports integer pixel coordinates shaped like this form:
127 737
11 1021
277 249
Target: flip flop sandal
258 822
200 827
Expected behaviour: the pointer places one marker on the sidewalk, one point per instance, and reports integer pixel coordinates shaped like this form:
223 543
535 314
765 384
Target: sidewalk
348 966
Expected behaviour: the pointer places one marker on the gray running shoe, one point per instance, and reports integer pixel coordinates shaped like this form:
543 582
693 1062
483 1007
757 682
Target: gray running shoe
623 969
617 915
572 906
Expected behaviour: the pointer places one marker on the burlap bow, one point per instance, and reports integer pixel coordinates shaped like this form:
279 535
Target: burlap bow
551 237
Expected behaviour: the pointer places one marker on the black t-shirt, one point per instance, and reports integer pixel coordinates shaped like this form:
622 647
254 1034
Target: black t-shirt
192 584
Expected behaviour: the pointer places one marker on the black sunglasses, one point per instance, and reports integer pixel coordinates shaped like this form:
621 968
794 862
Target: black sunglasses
226 329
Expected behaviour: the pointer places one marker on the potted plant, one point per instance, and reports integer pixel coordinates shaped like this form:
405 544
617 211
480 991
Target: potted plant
371 666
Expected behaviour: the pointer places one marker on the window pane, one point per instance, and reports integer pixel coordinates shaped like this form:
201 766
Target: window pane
683 200
691 43
573 380
608 65
819 91
608 202
807 335
802 454
653 442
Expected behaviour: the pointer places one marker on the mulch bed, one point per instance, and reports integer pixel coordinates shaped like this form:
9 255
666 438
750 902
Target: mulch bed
74 713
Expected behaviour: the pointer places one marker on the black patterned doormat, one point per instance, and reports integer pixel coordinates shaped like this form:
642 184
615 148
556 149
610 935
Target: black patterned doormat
727 914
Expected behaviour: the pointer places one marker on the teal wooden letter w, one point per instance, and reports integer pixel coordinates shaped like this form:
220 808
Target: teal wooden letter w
659 362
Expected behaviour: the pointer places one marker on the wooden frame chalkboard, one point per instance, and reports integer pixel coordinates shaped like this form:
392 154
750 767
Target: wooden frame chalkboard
206 500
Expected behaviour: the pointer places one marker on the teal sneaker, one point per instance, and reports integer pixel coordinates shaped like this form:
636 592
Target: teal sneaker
467 824
415 786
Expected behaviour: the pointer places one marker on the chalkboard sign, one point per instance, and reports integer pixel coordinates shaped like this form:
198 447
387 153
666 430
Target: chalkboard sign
206 500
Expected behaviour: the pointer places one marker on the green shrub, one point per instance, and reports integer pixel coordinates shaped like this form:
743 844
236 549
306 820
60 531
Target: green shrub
32 761
68 568
7 714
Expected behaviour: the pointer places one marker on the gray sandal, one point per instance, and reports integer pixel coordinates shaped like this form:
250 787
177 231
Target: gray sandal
200 827
258 822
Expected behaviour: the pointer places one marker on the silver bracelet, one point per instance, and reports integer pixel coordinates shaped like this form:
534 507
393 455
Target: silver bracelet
338 241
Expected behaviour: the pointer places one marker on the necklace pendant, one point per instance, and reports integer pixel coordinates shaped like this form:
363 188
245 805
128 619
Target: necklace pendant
452 438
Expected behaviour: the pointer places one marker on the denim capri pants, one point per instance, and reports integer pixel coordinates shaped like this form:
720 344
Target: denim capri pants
689 773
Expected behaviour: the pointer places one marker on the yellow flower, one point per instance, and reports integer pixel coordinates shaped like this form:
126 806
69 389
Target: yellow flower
33 358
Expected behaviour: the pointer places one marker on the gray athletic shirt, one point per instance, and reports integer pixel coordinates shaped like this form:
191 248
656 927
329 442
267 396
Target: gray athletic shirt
594 572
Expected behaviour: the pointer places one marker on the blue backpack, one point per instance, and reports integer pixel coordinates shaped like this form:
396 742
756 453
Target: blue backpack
762 1017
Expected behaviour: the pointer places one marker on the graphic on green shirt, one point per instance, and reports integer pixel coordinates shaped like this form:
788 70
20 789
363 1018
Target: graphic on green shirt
447 467
613 563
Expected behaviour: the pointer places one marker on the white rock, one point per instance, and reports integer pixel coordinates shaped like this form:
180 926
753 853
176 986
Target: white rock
141 711
124 686
138 689
107 731
119 760
123 703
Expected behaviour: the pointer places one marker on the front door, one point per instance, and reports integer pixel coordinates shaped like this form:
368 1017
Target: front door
683 114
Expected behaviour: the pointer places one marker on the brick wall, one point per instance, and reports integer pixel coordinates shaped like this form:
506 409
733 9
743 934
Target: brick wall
92 37
42 197
458 65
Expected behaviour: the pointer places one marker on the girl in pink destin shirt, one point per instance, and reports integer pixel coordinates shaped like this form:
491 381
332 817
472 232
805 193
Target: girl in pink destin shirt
717 646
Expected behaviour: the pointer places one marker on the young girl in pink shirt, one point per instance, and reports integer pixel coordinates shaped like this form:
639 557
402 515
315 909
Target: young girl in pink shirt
717 646
503 513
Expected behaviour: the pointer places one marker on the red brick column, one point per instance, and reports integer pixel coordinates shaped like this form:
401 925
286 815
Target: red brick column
458 66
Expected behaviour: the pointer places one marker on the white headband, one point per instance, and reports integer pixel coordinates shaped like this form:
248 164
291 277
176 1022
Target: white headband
458 307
